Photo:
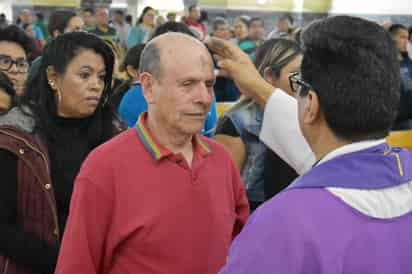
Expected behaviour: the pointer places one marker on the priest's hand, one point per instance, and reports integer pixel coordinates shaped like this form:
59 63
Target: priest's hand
241 68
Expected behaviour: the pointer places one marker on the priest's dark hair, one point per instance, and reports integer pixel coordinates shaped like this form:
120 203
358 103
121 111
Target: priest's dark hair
352 66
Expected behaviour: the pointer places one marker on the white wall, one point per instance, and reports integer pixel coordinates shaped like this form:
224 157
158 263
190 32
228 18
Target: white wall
372 6
5 7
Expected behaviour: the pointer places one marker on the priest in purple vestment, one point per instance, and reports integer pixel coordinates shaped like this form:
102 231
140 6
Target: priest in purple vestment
352 211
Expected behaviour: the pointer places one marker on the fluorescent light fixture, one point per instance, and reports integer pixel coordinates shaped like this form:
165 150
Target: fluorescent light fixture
118 4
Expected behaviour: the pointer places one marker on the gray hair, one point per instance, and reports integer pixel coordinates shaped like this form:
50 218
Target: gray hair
150 60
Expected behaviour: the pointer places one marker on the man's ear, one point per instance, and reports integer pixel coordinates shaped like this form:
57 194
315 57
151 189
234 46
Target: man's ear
312 108
147 82
267 75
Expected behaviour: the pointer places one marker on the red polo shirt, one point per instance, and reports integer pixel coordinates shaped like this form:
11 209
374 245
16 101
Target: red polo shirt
139 208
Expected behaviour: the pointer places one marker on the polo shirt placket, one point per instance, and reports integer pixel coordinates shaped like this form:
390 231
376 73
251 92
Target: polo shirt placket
161 153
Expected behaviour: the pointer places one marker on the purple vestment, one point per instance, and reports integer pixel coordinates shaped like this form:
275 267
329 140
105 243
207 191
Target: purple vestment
307 229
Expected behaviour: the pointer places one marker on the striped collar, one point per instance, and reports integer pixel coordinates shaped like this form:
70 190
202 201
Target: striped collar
159 151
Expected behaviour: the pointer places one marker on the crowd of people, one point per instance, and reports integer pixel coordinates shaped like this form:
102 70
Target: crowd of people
114 159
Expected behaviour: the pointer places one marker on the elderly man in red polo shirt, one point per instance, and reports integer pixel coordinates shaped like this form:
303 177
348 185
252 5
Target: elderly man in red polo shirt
159 198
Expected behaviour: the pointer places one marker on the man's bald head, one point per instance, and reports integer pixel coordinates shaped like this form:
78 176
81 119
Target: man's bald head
169 47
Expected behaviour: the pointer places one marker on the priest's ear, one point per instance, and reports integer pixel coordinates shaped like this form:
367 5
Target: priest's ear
309 108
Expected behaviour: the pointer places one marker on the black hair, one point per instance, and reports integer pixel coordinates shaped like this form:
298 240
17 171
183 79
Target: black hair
219 21
192 7
59 20
172 27
132 57
286 17
119 12
6 84
129 19
204 17
145 10
257 19
352 66
88 10
39 96
244 20
40 16
16 35
393 29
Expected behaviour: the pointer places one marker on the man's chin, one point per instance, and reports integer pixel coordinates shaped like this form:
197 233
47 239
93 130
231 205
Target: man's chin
193 130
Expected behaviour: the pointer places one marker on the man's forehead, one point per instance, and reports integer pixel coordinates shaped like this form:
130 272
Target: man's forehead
184 59
188 67
12 49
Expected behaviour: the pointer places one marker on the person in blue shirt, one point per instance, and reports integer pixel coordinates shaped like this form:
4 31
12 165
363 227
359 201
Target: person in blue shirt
133 102
26 18
144 26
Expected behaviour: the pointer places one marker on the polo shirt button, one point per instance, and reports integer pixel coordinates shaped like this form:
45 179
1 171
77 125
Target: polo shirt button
21 151
47 186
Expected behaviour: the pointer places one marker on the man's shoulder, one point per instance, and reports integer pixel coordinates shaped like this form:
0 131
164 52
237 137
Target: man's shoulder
296 205
118 151
118 146
216 148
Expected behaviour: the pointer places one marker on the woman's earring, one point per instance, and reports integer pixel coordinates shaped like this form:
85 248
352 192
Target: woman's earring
53 87
51 84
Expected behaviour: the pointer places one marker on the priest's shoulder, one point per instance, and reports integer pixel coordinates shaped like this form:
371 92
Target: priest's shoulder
294 205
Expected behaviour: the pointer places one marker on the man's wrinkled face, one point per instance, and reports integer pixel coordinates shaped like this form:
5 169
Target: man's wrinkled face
183 92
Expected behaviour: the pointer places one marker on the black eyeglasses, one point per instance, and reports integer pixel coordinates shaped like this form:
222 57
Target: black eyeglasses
297 85
6 62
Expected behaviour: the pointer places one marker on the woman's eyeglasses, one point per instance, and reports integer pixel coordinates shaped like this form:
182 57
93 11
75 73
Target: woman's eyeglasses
297 85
